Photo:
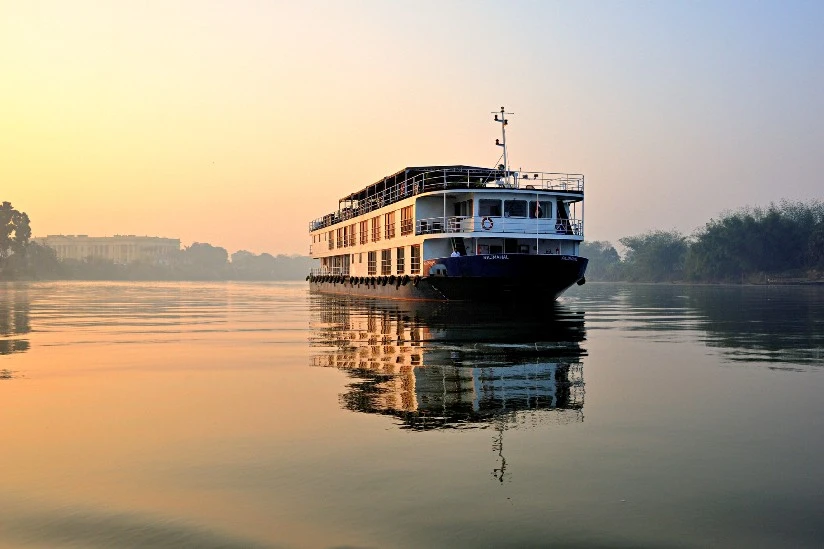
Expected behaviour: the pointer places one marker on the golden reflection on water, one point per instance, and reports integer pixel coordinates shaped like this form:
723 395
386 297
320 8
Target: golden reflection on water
14 322
126 389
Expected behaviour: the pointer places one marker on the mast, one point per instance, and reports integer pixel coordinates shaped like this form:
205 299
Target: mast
502 141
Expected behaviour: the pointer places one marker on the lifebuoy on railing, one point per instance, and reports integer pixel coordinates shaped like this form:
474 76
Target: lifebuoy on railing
487 223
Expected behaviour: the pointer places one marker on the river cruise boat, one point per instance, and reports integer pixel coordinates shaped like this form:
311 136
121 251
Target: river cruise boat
455 233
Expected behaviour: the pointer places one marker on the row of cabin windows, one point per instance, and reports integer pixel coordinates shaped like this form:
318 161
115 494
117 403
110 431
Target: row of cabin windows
400 261
345 236
541 209
370 230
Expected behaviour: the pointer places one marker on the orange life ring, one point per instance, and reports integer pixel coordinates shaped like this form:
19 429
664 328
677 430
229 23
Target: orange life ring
487 226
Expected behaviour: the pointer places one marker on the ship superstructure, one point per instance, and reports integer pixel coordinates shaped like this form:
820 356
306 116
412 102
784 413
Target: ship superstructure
454 232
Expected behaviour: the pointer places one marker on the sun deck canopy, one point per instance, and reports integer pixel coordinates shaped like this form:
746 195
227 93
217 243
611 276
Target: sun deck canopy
415 180
436 176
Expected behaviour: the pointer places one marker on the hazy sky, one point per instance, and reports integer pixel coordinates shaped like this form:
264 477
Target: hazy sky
238 122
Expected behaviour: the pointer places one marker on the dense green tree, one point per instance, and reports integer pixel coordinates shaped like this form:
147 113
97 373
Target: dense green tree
6 228
604 261
755 241
41 263
815 248
206 256
22 232
248 266
202 261
15 233
655 256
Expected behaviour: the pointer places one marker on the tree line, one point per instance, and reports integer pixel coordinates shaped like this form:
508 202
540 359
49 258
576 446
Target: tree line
24 259
783 241
752 245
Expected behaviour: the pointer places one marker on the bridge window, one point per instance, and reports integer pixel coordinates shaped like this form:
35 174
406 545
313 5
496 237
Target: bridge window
489 208
515 208
544 209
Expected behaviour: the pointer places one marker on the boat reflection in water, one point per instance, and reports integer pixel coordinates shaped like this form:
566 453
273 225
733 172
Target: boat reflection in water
447 365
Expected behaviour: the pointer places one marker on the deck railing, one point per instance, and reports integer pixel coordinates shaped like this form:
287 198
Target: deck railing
324 271
453 179
487 225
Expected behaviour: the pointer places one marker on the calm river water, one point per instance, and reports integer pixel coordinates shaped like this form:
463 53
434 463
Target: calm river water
258 415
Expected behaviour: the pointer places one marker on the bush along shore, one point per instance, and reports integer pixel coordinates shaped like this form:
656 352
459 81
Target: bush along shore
780 244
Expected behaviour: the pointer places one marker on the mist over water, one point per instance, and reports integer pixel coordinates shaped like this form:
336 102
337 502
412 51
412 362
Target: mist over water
259 415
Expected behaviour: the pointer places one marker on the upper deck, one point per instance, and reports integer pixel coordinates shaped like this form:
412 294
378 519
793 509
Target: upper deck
413 181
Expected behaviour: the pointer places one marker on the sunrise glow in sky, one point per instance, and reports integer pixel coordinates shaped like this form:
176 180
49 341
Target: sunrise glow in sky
237 122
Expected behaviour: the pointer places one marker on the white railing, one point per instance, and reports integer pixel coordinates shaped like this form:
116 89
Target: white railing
324 271
488 224
452 178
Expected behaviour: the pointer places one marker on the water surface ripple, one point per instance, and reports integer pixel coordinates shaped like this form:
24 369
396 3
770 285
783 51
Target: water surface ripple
260 415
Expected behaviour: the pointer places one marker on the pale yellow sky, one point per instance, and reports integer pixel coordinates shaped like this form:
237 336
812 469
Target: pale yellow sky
236 123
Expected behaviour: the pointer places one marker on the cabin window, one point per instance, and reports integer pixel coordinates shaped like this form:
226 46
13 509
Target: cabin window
543 209
515 208
376 228
406 220
364 232
489 208
389 225
386 262
372 263
331 238
341 242
399 255
352 234
415 259
360 257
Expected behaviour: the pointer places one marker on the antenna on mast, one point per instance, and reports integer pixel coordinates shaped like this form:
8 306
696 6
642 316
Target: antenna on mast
502 142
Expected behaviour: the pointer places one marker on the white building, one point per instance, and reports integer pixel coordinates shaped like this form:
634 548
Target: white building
121 249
